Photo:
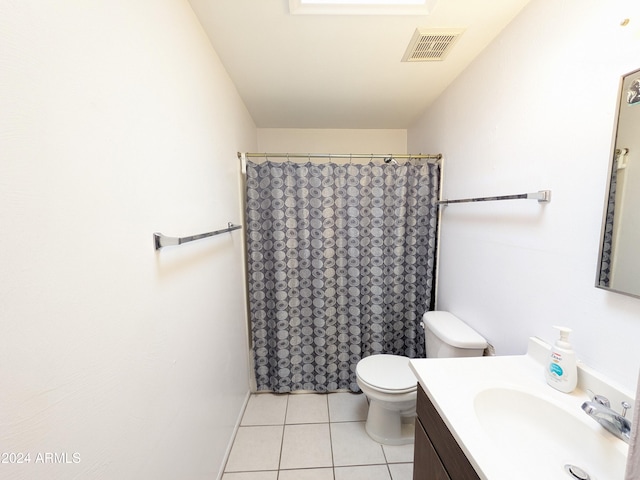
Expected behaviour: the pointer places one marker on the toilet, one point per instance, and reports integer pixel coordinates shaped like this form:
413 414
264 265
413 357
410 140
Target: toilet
391 386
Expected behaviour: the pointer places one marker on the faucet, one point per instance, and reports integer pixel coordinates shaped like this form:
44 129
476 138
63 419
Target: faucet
599 408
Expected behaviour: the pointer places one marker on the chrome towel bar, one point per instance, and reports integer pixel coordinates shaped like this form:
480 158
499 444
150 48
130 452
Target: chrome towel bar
543 196
160 240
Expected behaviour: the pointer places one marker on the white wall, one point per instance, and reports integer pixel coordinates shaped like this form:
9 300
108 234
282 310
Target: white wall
536 111
312 140
118 120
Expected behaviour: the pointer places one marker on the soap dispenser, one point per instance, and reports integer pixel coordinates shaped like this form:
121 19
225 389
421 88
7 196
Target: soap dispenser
562 370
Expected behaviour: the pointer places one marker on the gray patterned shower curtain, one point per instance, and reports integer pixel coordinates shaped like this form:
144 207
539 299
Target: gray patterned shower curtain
341 263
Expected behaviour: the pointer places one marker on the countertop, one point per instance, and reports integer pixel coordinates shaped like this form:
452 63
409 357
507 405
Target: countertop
453 384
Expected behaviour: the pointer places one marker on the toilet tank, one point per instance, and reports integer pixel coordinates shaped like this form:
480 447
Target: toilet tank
448 336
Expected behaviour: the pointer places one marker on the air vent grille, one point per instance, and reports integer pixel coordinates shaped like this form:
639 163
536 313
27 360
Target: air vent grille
430 45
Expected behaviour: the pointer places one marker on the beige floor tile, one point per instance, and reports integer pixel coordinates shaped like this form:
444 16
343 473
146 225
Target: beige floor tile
352 446
347 407
306 446
398 453
401 471
251 476
307 408
255 448
265 409
367 472
292 433
307 474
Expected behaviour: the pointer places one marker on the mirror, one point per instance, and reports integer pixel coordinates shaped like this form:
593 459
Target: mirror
619 266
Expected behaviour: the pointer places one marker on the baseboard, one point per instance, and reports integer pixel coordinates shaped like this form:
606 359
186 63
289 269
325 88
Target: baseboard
233 436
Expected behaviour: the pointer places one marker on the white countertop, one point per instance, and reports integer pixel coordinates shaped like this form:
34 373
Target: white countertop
453 384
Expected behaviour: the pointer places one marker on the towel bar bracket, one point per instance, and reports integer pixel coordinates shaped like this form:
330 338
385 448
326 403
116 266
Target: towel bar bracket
543 196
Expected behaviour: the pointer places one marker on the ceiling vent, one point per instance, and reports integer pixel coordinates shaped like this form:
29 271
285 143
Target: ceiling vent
429 45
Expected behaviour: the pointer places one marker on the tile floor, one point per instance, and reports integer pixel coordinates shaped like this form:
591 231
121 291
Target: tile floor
312 437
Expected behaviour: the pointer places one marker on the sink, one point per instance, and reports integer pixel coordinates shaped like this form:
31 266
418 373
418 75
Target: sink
544 436
510 423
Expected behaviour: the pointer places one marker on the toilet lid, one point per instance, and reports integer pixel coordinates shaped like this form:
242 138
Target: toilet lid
388 372
453 331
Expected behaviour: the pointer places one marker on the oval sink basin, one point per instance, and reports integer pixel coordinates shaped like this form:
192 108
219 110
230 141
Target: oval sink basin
545 437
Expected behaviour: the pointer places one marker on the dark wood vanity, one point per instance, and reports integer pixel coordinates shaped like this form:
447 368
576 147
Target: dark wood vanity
437 455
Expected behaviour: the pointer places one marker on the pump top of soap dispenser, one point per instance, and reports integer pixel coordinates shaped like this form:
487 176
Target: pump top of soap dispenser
563 341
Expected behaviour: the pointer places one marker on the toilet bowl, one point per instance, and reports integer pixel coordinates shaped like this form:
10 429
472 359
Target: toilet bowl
391 387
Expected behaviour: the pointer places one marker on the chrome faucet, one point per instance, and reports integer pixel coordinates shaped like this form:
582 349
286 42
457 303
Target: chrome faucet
599 408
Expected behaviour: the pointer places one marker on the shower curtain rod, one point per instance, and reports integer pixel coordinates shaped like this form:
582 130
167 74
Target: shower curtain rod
435 157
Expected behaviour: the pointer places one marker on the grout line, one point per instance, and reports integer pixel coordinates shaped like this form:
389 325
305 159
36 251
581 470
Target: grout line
333 463
384 455
389 469
284 423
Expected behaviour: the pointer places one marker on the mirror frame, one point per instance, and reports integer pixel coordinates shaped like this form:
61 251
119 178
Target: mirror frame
612 164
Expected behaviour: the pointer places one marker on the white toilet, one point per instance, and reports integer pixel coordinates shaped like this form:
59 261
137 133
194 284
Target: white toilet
391 386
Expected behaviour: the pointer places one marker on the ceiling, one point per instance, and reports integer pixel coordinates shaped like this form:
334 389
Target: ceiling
342 71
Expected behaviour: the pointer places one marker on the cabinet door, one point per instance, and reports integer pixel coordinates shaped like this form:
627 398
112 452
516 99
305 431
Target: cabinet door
426 463
451 455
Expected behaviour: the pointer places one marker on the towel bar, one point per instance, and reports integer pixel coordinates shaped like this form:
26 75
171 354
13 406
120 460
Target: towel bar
160 240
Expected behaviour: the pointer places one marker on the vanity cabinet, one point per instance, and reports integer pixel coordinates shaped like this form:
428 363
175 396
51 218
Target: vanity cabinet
437 455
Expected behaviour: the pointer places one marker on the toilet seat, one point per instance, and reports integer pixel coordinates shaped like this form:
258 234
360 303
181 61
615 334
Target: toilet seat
387 373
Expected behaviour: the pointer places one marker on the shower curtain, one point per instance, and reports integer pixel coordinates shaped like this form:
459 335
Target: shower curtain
341 262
